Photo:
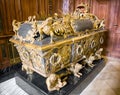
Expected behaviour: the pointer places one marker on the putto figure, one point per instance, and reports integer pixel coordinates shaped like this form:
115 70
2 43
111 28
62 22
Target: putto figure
54 82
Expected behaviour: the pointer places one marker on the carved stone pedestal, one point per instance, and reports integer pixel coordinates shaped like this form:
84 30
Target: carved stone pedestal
35 84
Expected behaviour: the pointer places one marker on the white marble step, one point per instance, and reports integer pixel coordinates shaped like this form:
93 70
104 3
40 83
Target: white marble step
10 87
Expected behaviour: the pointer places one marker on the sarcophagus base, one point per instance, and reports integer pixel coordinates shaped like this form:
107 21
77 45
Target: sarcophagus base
35 84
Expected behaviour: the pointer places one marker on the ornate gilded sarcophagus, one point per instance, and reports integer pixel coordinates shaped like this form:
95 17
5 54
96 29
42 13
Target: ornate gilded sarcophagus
49 46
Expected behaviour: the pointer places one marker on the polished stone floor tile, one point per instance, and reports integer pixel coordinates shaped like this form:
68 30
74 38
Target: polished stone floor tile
107 92
91 92
113 83
107 82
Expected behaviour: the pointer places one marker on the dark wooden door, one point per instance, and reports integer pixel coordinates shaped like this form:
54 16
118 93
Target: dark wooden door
109 10
114 28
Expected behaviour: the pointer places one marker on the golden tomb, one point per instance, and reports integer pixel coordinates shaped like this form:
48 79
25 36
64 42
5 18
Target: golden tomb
49 46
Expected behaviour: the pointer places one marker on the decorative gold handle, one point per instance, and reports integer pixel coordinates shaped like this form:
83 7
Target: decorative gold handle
79 50
92 45
57 57
101 40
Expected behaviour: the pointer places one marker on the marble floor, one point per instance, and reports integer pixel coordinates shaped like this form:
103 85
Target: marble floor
9 87
107 82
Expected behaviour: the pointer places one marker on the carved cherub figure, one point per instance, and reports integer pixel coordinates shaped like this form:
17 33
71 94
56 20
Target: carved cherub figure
75 68
98 53
31 19
90 60
102 24
16 26
54 82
